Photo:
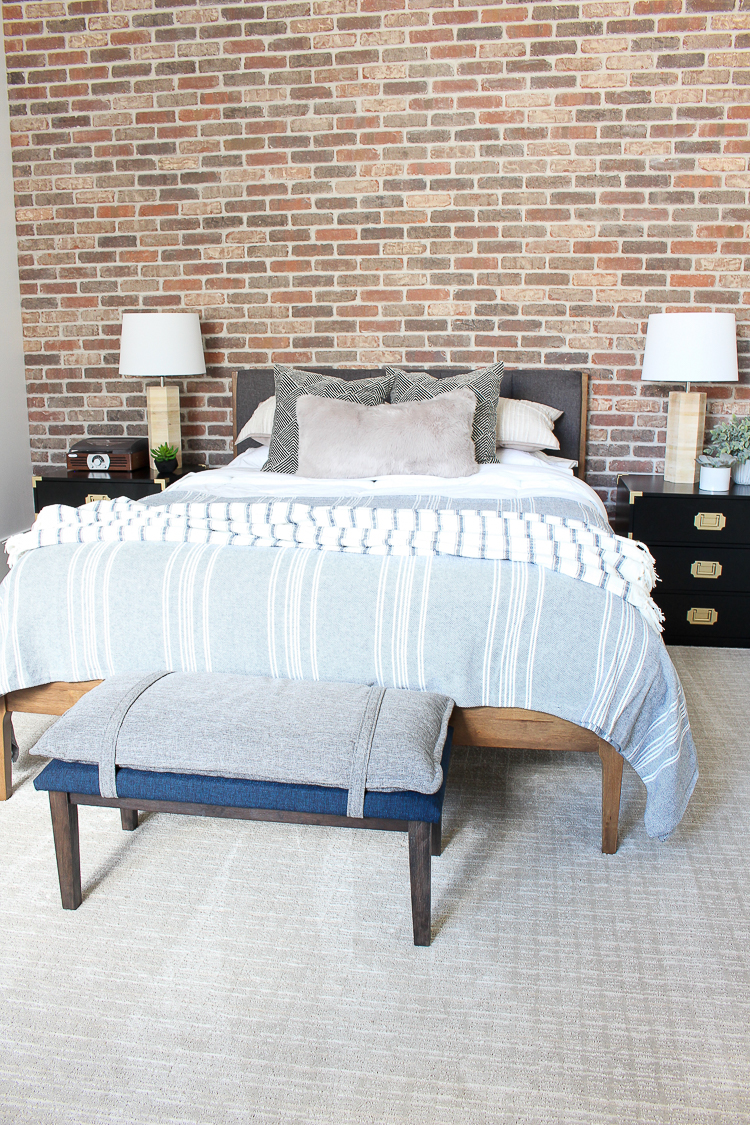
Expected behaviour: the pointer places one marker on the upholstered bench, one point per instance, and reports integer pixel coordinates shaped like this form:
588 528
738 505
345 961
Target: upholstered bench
116 725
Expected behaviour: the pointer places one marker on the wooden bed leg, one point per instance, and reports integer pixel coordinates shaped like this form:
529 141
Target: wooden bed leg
611 789
65 831
420 841
436 837
6 775
129 819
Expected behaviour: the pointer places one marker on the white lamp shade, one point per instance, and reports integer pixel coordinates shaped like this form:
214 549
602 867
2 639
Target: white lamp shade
161 344
690 348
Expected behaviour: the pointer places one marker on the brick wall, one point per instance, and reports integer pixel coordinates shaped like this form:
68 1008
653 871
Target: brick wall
371 181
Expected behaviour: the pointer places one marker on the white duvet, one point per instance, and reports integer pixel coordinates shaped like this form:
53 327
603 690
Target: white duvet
517 475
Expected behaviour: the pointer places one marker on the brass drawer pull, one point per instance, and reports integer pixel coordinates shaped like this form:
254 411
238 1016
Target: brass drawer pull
702 616
710 521
704 569
93 496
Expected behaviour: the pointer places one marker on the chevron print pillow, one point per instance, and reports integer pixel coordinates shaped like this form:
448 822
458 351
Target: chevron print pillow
409 386
290 384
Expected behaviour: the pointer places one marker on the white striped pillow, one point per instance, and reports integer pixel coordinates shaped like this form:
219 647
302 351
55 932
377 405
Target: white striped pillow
526 425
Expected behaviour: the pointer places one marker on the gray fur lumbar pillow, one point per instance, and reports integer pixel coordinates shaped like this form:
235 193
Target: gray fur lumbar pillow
348 439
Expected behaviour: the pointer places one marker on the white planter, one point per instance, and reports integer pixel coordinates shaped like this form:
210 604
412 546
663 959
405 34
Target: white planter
715 478
741 472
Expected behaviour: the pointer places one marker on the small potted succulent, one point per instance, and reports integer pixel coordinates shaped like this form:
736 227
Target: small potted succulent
165 458
716 469
730 442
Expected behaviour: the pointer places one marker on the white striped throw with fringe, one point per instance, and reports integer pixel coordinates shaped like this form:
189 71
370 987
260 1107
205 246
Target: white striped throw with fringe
568 546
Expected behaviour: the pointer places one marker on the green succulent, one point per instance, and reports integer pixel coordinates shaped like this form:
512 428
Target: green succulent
164 452
716 460
732 439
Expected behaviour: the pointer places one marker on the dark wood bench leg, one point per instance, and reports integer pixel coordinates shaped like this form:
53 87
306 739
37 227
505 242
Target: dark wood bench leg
437 837
611 790
65 831
420 846
129 819
6 733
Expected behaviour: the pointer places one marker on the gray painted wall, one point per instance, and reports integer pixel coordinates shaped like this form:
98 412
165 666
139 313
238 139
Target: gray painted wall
16 496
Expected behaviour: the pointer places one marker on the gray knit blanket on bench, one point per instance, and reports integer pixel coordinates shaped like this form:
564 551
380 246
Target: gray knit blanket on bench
346 736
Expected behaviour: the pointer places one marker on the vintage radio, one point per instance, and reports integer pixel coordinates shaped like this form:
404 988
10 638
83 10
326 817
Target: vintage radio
109 455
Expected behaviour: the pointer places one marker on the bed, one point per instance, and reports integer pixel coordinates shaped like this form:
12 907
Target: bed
545 703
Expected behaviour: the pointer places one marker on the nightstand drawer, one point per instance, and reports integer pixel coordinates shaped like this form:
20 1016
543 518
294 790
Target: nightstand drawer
701 519
705 619
68 490
705 567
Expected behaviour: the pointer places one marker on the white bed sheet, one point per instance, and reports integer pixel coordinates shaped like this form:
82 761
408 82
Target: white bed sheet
518 474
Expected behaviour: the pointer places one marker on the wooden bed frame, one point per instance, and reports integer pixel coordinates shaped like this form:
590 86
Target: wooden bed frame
498 727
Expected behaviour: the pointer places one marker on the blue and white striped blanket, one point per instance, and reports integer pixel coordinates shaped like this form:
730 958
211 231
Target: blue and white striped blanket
486 631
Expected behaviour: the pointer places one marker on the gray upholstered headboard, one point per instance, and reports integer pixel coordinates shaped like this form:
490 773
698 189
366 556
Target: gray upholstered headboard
566 390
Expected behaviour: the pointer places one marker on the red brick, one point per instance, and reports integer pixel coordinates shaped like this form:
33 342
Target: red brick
453 207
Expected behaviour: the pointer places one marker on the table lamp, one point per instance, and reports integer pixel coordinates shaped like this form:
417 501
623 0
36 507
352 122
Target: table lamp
688 348
164 345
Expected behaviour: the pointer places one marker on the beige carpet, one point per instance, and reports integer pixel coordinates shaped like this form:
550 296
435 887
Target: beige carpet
232 972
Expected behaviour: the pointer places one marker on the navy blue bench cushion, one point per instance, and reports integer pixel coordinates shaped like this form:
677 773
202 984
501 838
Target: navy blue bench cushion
239 793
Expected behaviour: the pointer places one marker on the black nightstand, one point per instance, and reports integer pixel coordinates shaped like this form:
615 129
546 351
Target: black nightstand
59 486
701 544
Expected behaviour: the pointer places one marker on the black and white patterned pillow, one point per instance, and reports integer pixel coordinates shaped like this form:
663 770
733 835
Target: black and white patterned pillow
411 386
290 384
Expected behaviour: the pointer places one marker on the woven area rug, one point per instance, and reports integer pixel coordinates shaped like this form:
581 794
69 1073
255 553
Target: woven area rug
237 972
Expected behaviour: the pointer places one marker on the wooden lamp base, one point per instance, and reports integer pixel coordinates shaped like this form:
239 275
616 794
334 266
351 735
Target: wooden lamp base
163 414
686 423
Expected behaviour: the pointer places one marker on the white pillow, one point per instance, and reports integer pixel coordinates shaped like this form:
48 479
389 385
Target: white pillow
526 425
259 427
431 437
562 464
534 458
253 458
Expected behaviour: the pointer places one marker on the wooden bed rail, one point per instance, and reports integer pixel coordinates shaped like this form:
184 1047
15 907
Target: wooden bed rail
513 728
48 699
510 728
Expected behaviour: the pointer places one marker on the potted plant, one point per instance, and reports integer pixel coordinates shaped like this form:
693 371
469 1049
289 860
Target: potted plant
732 439
165 458
715 472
